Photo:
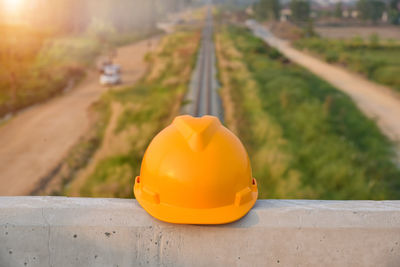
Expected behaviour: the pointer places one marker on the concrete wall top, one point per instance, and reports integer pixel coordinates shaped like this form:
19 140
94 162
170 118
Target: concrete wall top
57 231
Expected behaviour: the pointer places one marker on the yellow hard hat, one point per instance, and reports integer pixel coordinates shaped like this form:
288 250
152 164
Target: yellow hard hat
196 171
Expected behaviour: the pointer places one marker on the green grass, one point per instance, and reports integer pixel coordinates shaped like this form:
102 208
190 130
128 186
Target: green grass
148 107
376 59
305 138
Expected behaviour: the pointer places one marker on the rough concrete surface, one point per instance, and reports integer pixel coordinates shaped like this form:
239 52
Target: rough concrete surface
58 231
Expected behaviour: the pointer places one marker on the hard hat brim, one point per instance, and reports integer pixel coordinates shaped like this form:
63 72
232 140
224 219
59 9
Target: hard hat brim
172 214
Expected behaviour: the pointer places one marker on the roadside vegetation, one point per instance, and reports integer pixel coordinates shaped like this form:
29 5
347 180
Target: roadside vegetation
305 138
37 65
137 114
378 60
46 46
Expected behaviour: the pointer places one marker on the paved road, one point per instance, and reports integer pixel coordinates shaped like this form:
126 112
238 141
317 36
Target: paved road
203 98
376 101
36 140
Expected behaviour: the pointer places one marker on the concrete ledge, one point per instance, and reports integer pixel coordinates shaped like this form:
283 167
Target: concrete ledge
56 231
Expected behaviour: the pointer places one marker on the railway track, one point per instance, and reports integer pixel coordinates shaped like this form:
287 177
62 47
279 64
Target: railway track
203 98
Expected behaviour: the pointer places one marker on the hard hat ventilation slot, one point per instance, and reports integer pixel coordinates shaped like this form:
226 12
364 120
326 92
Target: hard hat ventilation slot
198 132
254 185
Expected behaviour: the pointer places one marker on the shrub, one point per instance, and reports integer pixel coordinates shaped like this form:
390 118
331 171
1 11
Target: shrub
389 75
332 56
374 41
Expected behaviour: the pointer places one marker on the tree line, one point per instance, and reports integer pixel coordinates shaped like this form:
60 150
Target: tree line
369 10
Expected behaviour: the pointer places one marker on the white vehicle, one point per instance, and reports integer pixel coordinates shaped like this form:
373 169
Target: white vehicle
111 69
110 79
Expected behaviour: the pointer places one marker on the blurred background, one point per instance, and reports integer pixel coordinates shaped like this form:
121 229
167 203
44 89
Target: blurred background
56 40
85 86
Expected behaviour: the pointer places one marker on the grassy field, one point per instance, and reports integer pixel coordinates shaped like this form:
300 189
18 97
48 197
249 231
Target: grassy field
305 138
138 113
376 59
348 32
37 65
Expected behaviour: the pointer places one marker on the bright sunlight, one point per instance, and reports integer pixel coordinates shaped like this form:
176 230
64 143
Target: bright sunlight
12 6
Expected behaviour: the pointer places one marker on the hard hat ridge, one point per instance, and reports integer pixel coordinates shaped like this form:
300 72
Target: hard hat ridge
197 131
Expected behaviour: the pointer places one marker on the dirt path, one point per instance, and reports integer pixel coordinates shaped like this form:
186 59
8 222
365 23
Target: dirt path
36 140
111 144
376 101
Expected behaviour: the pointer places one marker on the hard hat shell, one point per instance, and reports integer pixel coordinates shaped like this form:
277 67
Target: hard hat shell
196 171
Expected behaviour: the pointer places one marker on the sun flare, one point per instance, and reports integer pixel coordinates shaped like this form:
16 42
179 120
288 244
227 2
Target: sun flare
12 5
